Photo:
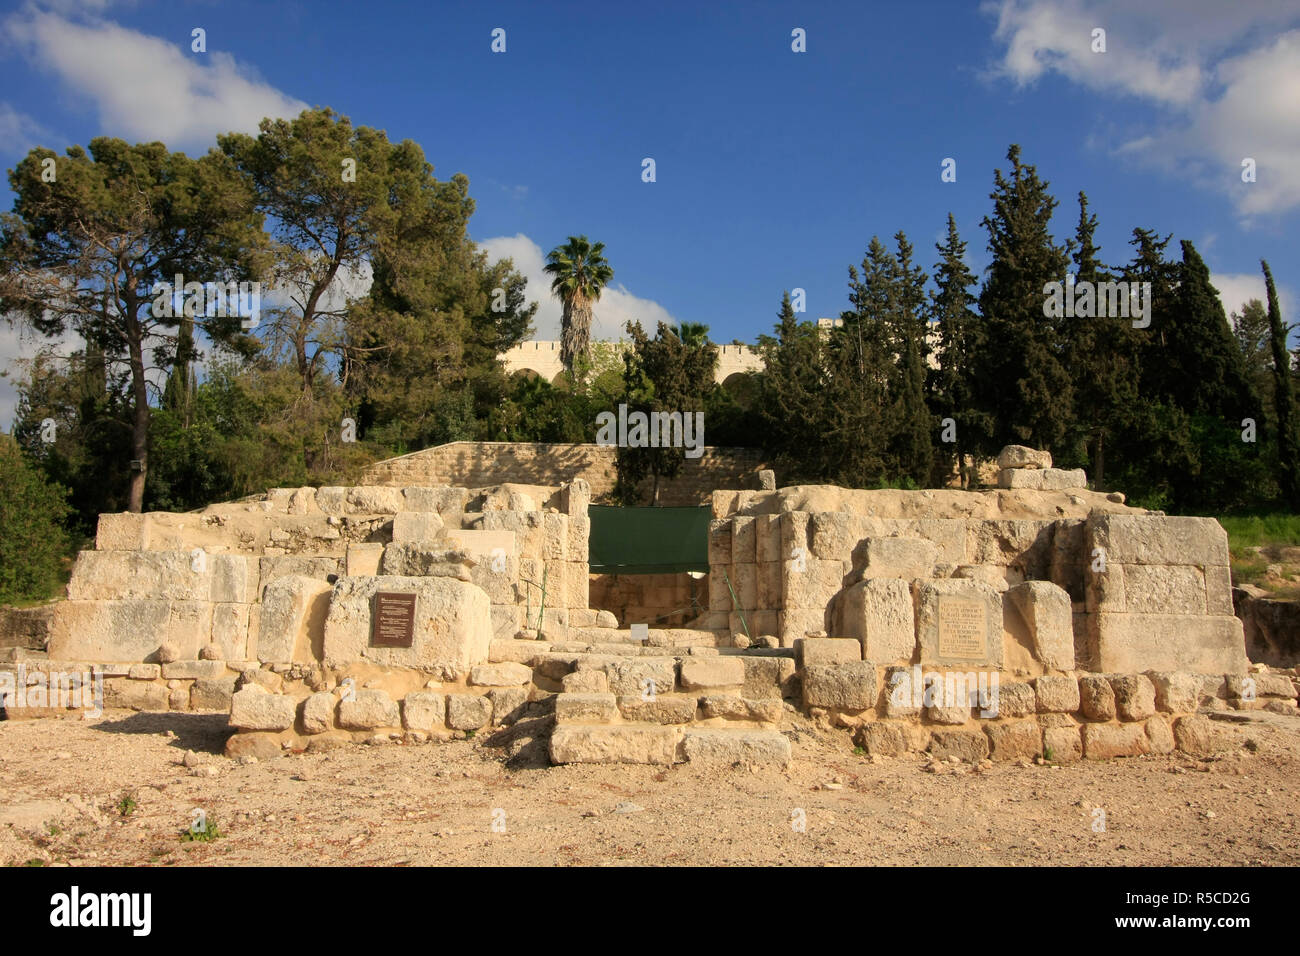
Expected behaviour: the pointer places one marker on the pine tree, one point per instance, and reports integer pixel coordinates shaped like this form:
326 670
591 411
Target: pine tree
912 443
1288 420
1022 382
959 329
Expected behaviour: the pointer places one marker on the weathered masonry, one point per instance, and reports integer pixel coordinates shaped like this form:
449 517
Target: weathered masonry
1038 618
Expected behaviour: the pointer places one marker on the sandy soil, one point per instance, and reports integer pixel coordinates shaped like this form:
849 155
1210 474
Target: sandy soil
62 783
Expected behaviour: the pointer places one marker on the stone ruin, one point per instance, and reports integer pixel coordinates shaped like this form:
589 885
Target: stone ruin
1035 619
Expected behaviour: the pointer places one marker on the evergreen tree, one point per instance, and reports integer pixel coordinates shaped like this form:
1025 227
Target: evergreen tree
1250 327
1022 381
913 447
1288 419
959 329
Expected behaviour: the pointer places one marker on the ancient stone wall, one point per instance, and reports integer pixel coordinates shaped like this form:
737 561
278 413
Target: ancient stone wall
480 464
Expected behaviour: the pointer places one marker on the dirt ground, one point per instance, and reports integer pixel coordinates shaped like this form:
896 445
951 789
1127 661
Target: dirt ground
117 792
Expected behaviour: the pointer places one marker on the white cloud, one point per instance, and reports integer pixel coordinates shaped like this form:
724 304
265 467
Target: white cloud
617 306
1238 288
1224 80
146 88
18 131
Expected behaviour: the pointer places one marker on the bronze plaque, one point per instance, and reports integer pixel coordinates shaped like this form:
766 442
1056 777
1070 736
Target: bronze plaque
392 620
962 628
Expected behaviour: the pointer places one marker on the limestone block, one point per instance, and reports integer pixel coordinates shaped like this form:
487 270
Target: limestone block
363 559
744 541
1057 694
122 693
1027 478
968 745
230 630
468 711
642 676
1218 590
667 709
1014 699
585 682
1063 744
506 621
579 541
726 748
899 557
108 631
767 539
1135 643
1135 696
1197 735
879 613
1068 560
719 542
770 592
144 672
291 623
1014 740
1021 543
796 534
122 532
1063 479
576 498
555 537
1157 539
253 708
1175 692
1105 590
1164 589
526 526
846 686
141 575
826 650
318 712
192 670
796 623
308 566
482 544
189 625
959 623
744 581
809 584
503 674
1106 741
234 578
372 500
1022 456
593 743
585 708
577 580
992 575
1160 735
1096 698
1047 611
698 673
735 707
952 714
509 704
453 625
767 677
212 693
416 527
412 559
368 709
835 535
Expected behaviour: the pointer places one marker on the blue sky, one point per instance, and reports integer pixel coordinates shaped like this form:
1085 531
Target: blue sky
774 168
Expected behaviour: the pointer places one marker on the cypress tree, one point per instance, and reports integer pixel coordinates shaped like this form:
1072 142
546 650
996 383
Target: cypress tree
1022 381
1288 422
959 329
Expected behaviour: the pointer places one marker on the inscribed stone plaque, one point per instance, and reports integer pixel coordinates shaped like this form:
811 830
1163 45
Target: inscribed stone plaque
962 628
392 620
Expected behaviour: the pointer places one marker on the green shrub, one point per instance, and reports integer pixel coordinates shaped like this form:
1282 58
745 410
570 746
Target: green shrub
33 540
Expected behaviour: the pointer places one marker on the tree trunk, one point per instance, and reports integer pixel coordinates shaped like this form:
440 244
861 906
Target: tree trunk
140 414
1099 461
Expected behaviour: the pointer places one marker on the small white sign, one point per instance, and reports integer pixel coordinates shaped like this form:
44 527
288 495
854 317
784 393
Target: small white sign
640 632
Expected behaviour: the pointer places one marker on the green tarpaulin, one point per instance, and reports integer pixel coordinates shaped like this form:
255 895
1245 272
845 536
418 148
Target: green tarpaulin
648 540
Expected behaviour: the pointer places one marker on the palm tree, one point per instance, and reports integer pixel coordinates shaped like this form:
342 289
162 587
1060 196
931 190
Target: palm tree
581 272
692 333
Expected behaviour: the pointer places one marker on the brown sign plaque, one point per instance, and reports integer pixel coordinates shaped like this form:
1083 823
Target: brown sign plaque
392 620
962 628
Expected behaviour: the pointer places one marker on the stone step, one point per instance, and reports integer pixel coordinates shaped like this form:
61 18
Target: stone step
668 745
716 710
